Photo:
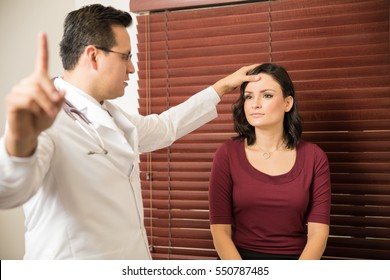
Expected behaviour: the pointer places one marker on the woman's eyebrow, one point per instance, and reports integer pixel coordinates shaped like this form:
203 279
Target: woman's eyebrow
268 89
261 91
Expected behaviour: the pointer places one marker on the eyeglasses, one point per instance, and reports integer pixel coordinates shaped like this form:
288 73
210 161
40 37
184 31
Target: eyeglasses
125 56
72 112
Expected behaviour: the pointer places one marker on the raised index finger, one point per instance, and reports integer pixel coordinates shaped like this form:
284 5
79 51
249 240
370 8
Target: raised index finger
42 58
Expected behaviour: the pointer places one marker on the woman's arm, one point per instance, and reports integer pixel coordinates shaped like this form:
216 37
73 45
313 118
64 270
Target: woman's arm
317 237
223 242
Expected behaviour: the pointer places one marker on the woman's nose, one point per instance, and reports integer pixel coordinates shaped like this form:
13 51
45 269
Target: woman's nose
256 103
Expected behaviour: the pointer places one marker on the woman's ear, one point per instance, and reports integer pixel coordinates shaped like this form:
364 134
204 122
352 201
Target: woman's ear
289 101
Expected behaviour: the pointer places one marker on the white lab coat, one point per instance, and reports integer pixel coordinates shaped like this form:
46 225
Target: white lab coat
81 206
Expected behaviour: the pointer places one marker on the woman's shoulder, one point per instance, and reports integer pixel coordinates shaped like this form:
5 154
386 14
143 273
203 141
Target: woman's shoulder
230 145
233 143
308 145
312 148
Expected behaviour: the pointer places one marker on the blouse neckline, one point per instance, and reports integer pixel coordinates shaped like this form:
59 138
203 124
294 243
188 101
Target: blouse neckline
274 179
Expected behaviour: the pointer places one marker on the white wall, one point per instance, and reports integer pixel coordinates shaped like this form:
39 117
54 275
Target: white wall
20 22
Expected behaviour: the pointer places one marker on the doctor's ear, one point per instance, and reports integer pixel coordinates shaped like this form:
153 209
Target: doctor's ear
91 54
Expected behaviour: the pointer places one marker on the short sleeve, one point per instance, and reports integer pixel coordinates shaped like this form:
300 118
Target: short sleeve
320 195
220 188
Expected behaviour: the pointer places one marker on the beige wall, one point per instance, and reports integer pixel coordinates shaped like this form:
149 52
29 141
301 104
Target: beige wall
20 22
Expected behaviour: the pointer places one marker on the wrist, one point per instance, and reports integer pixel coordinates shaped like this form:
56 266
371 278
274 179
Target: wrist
20 147
220 88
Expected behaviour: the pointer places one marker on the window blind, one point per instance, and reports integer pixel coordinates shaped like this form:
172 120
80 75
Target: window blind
337 53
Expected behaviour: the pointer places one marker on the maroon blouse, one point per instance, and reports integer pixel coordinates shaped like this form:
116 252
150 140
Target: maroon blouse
269 213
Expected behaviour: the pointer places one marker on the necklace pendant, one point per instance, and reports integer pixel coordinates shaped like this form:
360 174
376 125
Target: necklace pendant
266 155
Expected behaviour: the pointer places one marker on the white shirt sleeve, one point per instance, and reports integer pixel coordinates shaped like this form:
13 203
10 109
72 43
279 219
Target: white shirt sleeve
159 131
20 178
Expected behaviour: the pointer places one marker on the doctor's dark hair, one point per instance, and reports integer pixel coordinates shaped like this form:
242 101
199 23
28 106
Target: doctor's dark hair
89 25
292 123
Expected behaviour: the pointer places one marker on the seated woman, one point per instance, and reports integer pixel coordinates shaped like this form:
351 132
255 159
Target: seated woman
269 192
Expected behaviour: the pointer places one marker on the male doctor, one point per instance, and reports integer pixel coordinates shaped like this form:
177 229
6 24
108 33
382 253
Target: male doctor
70 157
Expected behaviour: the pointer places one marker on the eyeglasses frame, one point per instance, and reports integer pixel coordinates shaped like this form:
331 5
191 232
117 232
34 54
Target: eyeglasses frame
125 56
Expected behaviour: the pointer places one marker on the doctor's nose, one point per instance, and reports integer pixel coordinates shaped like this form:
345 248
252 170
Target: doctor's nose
130 67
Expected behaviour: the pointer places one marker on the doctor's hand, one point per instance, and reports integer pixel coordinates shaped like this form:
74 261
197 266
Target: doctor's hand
32 106
234 80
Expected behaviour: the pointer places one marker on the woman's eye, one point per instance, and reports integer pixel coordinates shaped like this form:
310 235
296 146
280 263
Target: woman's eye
268 95
247 97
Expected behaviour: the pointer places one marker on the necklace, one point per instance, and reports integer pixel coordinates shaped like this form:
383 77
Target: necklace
267 154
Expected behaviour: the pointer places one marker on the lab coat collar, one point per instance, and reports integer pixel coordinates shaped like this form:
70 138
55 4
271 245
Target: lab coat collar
86 104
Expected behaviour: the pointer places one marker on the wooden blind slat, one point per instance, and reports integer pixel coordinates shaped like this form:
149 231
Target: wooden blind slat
175 213
360 221
372 200
355 253
378 244
363 188
152 5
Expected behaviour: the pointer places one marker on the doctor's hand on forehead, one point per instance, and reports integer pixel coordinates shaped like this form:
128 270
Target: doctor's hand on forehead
234 80
32 106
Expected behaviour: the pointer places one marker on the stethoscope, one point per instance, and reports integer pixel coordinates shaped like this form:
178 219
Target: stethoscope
70 110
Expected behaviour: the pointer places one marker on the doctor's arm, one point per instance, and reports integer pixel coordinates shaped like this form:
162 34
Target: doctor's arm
32 106
191 114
